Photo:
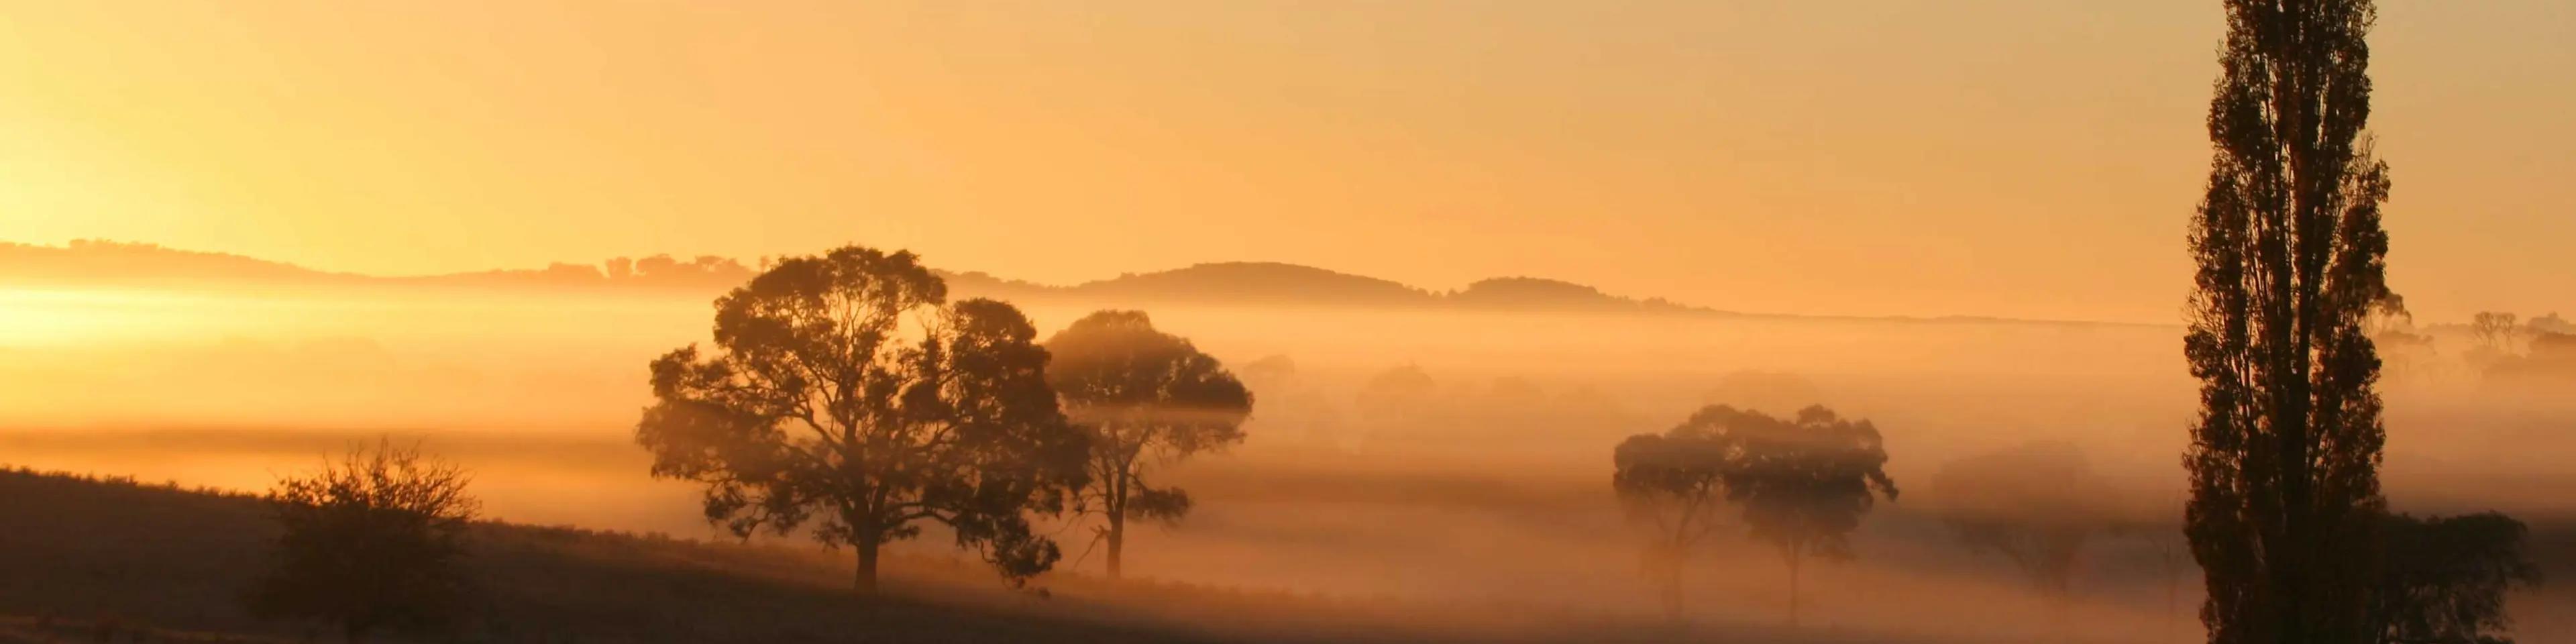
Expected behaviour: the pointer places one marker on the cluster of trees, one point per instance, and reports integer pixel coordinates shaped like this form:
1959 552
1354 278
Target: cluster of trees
845 397
2500 345
846 393
1799 484
2504 346
658 271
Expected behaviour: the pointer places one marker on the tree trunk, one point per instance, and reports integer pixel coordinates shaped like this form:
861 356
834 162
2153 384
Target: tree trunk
1117 534
1673 594
2173 592
1117 541
1793 587
866 581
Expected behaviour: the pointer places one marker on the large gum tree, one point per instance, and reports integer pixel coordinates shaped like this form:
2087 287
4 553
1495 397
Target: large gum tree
845 393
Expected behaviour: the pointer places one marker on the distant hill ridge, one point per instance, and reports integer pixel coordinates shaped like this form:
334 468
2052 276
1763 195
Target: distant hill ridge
92 262
141 265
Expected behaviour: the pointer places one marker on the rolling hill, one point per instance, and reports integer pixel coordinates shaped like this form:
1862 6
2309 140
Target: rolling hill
100 263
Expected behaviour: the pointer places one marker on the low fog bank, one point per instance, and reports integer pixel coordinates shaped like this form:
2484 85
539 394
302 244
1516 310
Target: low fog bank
1458 459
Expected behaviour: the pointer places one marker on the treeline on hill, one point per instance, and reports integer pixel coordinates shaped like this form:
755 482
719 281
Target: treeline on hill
97 262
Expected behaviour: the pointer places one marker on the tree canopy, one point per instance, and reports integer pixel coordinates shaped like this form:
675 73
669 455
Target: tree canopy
1146 397
844 392
1802 482
1675 483
2443 579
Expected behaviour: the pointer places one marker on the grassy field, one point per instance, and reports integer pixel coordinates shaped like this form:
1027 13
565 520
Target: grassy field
86 559
107 559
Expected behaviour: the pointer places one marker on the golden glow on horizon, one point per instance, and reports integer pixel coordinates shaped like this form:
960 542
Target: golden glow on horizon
2001 157
55 318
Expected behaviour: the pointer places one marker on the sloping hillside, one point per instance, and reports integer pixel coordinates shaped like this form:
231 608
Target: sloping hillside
80 552
88 559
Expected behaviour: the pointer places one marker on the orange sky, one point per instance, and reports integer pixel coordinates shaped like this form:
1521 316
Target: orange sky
2003 157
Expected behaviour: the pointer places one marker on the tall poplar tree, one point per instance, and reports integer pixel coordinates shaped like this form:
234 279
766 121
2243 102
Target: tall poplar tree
2285 454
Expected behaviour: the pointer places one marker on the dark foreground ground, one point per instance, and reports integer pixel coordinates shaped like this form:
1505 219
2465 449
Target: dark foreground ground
109 560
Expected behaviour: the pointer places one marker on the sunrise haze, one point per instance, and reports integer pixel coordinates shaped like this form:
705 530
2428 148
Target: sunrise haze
2023 158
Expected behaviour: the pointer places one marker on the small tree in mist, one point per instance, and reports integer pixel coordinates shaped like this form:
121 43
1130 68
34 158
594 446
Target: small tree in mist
2290 254
1396 395
1803 482
2550 323
844 392
1147 398
2444 579
1270 373
2495 332
372 543
1674 483
2402 347
2036 505
2153 520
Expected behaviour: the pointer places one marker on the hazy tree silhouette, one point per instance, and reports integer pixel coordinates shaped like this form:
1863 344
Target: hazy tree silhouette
372 543
2036 505
843 391
1803 482
1270 373
1397 398
1147 398
2401 347
1396 394
2495 331
2552 355
2173 560
2444 579
2550 323
2284 455
1674 482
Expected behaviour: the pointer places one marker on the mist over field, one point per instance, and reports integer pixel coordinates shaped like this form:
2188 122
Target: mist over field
1258 321
1456 459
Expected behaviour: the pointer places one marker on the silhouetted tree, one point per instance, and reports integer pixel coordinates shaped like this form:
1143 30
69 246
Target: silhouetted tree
1147 398
2036 505
843 390
1396 394
1674 482
2550 323
2401 347
2495 331
2285 452
1803 482
1270 373
1399 397
372 543
2551 356
2153 519
2443 579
